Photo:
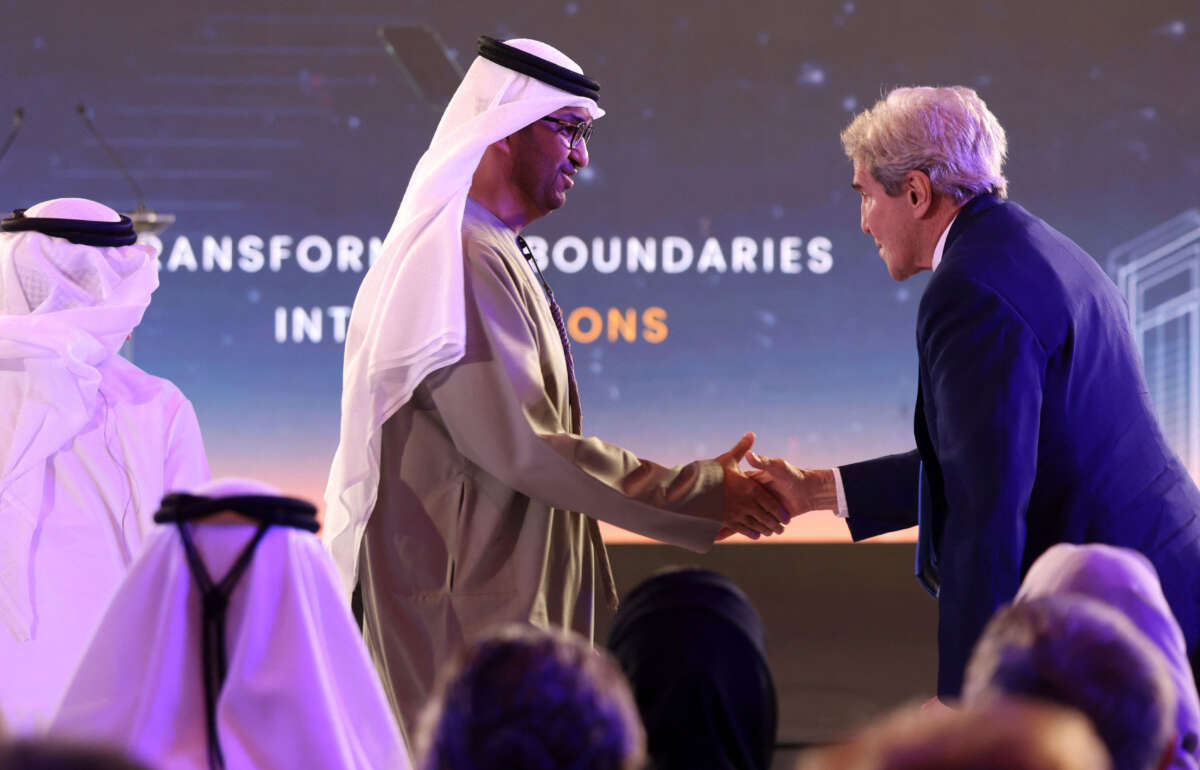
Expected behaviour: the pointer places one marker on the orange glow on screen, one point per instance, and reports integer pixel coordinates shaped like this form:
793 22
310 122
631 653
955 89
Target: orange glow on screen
814 527
307 481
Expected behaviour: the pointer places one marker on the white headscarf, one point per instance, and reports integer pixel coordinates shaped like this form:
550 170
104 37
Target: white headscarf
65 310
1125 580
409 318
299 691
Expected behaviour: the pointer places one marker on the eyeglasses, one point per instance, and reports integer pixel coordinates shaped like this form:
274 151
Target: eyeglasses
581 130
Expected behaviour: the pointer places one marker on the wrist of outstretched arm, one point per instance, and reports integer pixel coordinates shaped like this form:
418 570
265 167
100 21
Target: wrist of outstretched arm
825 496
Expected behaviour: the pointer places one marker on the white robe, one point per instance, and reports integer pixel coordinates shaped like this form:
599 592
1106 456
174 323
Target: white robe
89 444
299 690
92 513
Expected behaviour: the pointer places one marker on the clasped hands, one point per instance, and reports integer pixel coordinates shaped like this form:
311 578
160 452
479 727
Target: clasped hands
761 501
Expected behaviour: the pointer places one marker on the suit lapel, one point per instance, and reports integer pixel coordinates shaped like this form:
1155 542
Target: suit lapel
931 498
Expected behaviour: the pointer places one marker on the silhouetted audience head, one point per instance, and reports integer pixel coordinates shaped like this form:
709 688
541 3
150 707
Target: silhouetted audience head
1126 581
526 699
59 755
1004 734
1079 653
694 650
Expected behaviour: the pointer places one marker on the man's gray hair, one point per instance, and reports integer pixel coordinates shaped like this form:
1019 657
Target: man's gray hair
1080 653
948 133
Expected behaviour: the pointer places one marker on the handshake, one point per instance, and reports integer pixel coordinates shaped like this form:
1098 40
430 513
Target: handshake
764 499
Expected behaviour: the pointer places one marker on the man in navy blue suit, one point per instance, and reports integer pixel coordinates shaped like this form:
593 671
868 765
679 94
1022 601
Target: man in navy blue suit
1033 425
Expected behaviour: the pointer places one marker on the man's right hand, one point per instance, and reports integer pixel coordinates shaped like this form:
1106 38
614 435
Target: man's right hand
749 509
798 489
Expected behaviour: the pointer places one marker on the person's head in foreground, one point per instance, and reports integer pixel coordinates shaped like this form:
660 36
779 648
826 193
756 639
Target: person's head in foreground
527 699
1003 734
1125 580
1079 653
919 154
694 649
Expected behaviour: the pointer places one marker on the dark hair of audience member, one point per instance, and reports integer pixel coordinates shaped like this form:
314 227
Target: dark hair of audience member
1082 654
694 650
526 699
47 754
1001 734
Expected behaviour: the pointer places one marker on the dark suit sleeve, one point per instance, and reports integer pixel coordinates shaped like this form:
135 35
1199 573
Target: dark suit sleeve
985 371
881 494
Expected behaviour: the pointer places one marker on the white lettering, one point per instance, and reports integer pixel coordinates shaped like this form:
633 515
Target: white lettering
182 254
603 254
673 245
304 258
279 250
711 256
339 314
281 324
306 324
250 253
559 254
610 263
216 254
640 255
349 254
789 254
742 252
820 257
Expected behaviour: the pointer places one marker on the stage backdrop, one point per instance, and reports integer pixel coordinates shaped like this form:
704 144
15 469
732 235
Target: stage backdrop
709 259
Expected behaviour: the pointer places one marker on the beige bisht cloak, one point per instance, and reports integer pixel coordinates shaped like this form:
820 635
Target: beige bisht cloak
460 456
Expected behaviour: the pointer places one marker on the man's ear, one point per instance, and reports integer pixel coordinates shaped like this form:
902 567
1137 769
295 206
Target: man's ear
918 193
496 157
502 145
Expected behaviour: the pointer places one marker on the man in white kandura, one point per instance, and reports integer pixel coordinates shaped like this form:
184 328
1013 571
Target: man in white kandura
89 443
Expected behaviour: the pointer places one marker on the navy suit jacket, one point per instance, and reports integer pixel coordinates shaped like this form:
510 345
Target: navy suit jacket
1034 425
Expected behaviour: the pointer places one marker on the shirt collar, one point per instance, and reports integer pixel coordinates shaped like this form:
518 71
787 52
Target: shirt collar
941 245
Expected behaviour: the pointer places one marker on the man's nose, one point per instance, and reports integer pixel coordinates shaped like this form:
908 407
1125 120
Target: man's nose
579 153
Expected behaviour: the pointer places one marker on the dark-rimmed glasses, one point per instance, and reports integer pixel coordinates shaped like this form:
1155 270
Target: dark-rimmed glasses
581 130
